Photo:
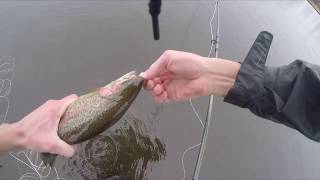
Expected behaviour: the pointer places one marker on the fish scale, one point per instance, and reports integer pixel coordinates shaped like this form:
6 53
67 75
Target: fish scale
93 113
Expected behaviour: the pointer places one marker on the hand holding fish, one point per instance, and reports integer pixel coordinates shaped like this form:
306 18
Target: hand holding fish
38 130
57 124
177 76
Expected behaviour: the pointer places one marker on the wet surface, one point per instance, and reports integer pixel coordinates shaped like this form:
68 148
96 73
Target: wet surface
125 152
64 47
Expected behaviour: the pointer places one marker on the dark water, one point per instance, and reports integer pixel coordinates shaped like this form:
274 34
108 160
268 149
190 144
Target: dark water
125 152
64 47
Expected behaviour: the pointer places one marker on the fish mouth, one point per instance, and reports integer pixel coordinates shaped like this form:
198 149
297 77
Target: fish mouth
132 75
113 86
129 75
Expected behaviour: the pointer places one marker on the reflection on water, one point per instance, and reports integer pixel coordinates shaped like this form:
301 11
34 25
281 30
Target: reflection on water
124 152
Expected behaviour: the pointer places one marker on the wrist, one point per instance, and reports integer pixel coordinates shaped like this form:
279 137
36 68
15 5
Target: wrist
17 134
10 137
220 75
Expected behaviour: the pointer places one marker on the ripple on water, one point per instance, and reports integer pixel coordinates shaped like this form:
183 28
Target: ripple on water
125 151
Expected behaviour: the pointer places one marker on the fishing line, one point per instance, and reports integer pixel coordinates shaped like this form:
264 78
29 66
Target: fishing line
58 178
182 158
7 66
34 174
34 163
212 43
39 169
196 113
210 106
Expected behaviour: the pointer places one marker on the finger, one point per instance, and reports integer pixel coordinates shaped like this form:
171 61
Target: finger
65 102
158 89
157 80
165 79
163 97
165 73
165 82
63 149
157 67
149 85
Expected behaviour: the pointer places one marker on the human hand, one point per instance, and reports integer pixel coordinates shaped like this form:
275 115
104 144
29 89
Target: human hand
176 76
38 130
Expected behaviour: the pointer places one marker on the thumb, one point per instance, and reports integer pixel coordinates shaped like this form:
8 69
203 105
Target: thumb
65 102
157 67
64 149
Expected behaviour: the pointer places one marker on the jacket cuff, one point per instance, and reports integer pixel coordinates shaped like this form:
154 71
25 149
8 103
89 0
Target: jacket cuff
249 82
238 96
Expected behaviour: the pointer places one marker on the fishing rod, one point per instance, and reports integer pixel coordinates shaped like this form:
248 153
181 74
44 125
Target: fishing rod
154 10
210 105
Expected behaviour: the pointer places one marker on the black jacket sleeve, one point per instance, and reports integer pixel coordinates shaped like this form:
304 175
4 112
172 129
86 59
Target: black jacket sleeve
289 94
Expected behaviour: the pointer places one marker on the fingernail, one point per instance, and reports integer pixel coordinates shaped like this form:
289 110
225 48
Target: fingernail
150 84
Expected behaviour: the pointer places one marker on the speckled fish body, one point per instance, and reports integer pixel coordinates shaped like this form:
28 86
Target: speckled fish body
95 112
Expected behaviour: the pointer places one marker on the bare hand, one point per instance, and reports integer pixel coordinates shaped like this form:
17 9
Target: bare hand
176 76
38 130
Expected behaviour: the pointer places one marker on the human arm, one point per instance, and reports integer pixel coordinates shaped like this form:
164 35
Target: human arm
38 130
178 76
288 94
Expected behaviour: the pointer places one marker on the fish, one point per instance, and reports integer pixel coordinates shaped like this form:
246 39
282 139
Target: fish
92 113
